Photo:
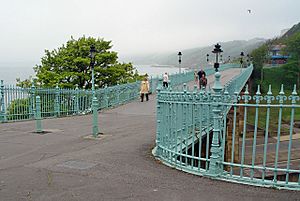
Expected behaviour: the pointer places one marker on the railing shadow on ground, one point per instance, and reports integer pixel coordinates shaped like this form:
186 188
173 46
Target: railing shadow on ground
209 133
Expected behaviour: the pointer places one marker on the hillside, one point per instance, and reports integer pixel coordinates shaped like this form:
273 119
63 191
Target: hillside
197 56
292 31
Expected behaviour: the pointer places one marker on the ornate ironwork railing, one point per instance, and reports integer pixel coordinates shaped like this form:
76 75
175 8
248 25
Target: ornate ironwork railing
18 104
228 136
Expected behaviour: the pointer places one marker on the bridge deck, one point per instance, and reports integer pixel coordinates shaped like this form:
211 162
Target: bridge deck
63 165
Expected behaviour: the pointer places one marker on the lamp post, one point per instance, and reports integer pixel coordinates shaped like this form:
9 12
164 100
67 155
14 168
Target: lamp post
215 167
207 58
179 61
92 63
217 50
94 100
228 59
248 59
221 58
241 60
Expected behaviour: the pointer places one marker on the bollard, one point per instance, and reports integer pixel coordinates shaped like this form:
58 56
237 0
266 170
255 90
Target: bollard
38 116
95 117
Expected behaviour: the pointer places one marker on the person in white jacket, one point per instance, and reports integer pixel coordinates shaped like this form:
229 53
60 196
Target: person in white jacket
166 80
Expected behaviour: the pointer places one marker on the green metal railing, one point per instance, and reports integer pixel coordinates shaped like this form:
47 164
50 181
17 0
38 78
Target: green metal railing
17 104
224 135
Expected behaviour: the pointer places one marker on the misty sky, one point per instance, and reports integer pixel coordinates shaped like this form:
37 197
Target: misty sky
137 26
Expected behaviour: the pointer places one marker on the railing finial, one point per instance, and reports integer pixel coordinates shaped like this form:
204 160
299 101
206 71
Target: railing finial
294 90
281 90
217 84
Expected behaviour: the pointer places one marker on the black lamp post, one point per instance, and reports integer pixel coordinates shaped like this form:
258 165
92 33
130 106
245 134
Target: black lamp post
228 59
207 58
217 50
241 59
248 59
179 61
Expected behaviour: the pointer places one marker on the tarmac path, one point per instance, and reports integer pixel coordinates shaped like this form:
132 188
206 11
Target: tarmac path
64 165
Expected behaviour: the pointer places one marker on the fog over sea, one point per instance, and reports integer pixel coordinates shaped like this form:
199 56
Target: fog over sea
10 71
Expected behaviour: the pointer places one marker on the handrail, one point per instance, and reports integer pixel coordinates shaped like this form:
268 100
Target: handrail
221 152
17 104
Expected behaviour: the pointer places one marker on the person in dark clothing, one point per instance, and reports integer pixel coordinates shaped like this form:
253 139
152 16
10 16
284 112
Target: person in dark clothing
200 73
203 82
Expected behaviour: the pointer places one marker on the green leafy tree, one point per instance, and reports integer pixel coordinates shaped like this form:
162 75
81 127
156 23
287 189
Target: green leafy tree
259 58
69 65
293 47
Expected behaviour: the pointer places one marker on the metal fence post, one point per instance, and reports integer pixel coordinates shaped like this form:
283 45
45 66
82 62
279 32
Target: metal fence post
38 116
118 94
158 118
77 99
215 167
2 111
32 101
105 96
56 104
151 84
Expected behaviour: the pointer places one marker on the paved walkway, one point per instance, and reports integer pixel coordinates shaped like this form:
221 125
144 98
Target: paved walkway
63 165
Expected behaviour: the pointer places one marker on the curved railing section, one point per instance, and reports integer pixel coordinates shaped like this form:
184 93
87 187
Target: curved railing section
224 135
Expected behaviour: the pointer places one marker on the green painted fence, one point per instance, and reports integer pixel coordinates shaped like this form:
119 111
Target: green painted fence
17 104
193 133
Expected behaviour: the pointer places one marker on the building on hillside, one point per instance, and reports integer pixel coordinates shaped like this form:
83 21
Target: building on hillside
276 56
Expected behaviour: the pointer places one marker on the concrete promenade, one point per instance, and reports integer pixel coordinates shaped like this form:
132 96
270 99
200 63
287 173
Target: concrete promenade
65 165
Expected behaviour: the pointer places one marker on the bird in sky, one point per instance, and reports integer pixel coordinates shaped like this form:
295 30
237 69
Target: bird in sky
249 11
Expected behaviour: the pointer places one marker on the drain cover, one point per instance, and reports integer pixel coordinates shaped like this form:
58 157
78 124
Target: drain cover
79 165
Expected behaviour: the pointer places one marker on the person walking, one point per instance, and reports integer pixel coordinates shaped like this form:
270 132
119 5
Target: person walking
145 89
200 73
203 82
196 77
166 80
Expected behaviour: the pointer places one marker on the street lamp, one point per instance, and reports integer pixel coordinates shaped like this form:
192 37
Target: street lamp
207 58
221 58
179 61
248 59
241 59
94 100
228 59
217 50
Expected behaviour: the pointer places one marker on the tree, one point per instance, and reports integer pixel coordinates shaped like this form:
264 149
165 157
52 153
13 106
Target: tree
69 65
293 47
259 57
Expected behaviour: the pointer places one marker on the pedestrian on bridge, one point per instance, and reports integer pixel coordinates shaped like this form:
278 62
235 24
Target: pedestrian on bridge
166 80
200 73
145 87
203 82
196 77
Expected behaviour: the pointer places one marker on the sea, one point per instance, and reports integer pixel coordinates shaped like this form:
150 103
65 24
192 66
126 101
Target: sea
23 70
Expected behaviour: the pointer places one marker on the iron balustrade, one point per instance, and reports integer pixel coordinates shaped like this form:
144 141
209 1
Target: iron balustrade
17 104
228 136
